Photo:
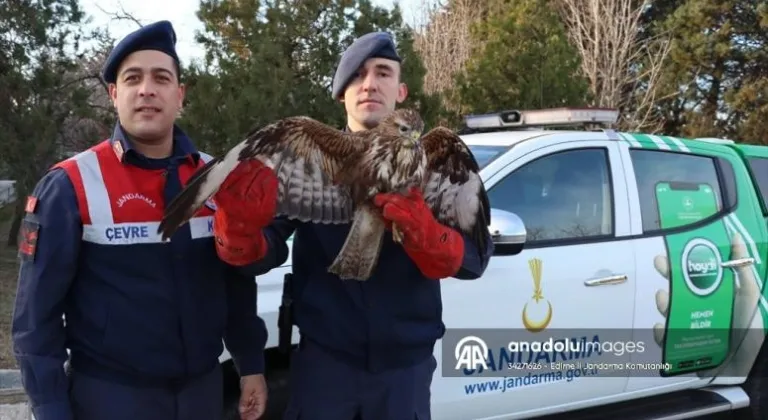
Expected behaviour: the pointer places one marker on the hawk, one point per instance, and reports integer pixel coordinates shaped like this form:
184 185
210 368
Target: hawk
326 175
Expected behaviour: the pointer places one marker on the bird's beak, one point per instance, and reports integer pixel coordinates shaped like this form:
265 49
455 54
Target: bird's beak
415 136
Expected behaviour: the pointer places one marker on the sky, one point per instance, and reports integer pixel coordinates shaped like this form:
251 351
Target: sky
182 13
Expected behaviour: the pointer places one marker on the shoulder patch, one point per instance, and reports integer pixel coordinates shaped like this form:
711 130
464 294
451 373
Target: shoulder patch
117 147
31 204
28 234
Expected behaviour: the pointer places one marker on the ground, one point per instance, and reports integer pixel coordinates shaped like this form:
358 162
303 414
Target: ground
8 272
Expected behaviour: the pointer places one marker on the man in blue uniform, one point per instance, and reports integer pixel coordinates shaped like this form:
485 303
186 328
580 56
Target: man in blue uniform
145 320
366 347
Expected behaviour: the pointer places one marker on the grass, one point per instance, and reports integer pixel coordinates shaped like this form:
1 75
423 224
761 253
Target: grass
8 273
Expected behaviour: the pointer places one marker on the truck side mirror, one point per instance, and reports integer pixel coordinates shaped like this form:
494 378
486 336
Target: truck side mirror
507 232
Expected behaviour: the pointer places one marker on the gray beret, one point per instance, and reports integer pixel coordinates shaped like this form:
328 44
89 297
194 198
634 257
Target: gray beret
370 45
158 36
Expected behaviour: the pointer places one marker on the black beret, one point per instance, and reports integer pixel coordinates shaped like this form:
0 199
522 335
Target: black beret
370 45
158 36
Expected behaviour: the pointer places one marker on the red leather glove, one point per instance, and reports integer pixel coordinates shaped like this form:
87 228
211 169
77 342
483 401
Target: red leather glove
245 203
436 249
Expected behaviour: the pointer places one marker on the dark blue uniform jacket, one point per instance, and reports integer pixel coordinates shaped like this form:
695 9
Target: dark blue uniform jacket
391 320
149 314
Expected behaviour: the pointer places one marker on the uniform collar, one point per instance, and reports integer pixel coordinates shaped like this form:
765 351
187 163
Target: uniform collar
182 146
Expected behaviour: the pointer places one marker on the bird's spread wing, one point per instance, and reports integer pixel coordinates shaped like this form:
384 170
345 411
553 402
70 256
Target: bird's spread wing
308 158
454 190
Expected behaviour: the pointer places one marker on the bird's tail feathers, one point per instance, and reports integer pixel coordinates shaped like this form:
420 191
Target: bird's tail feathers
481 232
203 184
360 253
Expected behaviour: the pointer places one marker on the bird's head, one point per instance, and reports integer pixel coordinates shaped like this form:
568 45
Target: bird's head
406 124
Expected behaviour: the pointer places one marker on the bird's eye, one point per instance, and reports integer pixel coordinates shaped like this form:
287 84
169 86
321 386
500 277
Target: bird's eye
403 129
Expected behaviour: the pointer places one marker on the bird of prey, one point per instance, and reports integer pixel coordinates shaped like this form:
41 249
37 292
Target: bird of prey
328 175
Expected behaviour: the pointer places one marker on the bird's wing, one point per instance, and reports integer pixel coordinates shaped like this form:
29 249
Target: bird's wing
454 190
308 158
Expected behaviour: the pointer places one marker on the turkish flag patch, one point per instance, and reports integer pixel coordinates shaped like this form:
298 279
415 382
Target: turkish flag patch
28 234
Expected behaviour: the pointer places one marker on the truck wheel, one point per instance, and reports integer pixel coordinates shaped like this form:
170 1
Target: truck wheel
756 387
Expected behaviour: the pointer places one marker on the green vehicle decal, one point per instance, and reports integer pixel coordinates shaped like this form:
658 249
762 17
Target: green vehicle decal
711 307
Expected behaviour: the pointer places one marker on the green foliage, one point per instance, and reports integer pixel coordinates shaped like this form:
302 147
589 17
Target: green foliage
34 65
523 60
715 78
40 87
269 60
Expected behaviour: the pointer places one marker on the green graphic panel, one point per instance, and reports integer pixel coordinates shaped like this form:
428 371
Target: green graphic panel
701 290
684 203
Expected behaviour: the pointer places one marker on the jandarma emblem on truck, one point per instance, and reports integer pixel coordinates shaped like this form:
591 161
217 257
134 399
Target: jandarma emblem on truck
542 312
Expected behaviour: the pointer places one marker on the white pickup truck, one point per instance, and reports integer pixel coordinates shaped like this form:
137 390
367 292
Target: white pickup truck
650 249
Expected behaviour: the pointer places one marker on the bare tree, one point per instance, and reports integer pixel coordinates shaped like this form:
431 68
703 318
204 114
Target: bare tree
121 14
623 68
444 40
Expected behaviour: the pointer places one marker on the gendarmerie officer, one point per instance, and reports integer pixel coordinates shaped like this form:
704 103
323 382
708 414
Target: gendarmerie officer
366 348
145 320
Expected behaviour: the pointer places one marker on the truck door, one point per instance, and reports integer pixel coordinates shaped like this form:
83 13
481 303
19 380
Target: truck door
691 252
574 281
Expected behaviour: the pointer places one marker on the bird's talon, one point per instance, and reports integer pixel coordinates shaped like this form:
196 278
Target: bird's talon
397 236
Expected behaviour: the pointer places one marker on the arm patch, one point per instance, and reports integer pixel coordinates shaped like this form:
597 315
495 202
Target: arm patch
31 204
28 234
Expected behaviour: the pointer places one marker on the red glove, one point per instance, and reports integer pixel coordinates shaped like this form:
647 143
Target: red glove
245 203
436 249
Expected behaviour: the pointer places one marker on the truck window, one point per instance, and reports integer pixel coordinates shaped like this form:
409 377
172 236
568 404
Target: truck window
653 167
565 195
759 167
484 154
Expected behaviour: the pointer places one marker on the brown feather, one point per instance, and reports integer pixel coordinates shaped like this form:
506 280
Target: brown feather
312 162
453 188
326 175
390 164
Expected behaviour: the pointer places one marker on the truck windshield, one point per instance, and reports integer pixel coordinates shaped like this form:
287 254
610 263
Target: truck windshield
485 154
